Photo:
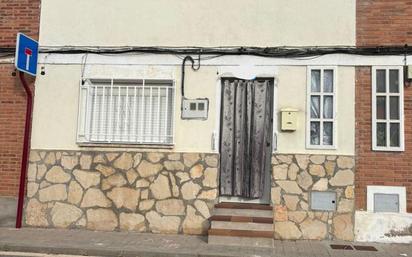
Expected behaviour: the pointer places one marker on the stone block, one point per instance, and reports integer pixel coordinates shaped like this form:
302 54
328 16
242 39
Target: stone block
95 197
170 207
305 180
56 192
313 229
196 171
210 179
75 193
155 157
87 178
132 222
36 214
160 188
69 161
189 159
116 180
85 161
147 169
342 178
317 170
165 224
101 219
280 172
212 161
124 197
124 162
343 227
345 162
194 224
63 215
105 170
290 187
287 230
190 190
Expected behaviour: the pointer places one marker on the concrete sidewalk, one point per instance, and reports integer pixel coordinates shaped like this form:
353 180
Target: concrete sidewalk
81 242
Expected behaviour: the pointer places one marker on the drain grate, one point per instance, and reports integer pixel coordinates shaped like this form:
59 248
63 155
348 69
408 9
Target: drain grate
355 247
341 247
365 248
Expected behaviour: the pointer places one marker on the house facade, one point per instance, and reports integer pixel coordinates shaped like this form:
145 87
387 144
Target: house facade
387 170
173 117
15 16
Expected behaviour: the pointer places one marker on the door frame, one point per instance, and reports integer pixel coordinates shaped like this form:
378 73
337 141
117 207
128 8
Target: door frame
217 135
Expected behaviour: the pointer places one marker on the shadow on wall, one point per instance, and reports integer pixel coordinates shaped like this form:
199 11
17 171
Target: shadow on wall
8 207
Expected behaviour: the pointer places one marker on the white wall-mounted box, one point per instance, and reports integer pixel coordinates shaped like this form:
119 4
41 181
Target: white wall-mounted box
289 118
195 108
408 72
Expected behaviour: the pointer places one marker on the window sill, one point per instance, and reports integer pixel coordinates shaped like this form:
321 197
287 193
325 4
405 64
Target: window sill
385 149
136 146
313 147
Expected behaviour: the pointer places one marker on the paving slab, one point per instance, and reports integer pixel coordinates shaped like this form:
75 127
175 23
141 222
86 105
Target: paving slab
8 208
92 243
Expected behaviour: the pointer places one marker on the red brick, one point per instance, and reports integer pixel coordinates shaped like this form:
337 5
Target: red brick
15 16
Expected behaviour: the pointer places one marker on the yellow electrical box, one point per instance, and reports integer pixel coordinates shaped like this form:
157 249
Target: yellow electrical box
289 119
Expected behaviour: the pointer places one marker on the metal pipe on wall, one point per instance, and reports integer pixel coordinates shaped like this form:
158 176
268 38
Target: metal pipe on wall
26 148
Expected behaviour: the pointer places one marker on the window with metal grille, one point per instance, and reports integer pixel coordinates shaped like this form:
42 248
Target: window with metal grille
321 106
387 109
126 111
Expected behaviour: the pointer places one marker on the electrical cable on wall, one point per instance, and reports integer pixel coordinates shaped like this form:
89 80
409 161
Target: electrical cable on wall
283 51
188 58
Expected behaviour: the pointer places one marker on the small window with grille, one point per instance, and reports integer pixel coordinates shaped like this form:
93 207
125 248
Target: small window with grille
126 112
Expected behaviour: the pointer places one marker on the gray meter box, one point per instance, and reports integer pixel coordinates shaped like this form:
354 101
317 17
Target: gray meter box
386 202
323 201
195 108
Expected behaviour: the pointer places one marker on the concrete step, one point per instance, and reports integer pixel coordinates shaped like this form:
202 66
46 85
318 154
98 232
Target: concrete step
240 233
241 219
250 226
241 241
243 212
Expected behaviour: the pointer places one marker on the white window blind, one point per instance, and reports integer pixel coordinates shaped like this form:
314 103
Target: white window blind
321 106
387 109
126 111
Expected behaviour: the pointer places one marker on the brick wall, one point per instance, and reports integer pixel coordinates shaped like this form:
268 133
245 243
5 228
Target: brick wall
383 22
15 16
379 168
18 16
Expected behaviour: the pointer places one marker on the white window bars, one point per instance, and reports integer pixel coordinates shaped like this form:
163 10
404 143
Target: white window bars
126 111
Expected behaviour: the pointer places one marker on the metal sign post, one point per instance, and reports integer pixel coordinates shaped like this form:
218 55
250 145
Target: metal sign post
25 62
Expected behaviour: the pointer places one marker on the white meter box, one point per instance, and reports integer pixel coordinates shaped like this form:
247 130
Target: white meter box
195 108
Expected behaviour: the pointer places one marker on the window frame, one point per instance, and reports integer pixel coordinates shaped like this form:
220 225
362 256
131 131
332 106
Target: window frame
321 119
388 120
83 122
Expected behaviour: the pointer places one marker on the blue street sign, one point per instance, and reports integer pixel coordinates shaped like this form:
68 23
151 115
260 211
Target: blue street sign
26 54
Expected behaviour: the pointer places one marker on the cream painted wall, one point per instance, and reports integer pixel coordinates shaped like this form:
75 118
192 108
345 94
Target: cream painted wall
292 94
197 23
56 105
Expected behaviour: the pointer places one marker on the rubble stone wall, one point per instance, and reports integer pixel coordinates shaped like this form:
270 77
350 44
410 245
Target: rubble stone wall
293 178
128 191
